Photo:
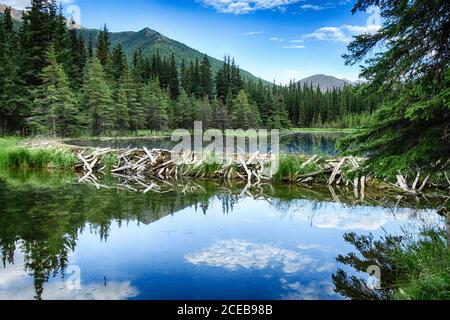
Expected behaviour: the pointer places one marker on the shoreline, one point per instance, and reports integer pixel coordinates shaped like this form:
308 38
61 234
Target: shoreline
56 154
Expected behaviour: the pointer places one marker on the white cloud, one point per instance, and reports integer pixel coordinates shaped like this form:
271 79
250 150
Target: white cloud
312 7
22 4
252 33
247 6
346 32
276 39
294 47
343 34
333 34
297 41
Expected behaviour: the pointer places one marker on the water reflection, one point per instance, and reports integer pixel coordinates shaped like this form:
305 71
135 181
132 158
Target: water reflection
197 241
15 285
296 142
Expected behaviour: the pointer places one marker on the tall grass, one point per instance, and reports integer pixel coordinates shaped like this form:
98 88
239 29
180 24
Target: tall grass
425 268
13 155
291 168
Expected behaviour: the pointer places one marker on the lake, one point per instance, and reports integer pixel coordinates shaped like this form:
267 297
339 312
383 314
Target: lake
193 240
293 142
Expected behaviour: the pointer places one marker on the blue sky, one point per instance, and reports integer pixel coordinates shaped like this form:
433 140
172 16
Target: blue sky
274 39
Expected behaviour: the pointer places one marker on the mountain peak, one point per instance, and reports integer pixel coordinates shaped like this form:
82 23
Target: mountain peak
325 82
15 14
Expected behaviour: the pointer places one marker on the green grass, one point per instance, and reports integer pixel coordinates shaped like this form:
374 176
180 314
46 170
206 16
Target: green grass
413 266
290 168
425 268
13 155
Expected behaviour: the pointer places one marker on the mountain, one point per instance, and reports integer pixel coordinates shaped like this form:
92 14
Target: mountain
150 41
325 82
15 14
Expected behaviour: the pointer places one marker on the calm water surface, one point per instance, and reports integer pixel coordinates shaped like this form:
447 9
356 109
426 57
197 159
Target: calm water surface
306 143
197 241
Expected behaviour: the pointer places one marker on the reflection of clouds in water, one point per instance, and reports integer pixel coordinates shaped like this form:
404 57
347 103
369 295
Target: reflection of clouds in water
58 291
235 254
337 216
314 290
16 285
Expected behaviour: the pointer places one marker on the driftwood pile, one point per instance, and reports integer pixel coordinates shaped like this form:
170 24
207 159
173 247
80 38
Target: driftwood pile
165 165
336 170
139 167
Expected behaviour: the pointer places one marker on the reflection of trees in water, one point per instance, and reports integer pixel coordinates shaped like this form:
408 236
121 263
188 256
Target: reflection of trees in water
318 142
44 222
379 253
401 260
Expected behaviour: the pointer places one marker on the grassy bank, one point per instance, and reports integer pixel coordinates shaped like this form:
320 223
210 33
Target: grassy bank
424 268
13 154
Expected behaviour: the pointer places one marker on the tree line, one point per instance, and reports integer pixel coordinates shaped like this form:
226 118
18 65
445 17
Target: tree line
55 81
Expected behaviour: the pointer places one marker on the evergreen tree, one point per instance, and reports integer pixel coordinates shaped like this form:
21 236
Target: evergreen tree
119 65
35 36
76 60
205 113
411 131
90 47
174 85
103 44
56 108
121 113
241 113
221 118
8 110
206 85
135 107
184 113
96 99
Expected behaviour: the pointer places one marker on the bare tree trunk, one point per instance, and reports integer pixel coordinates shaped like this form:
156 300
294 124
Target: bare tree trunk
54 127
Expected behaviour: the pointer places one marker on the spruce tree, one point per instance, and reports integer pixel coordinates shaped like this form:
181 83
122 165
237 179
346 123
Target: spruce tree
205 113
184 112
119 65
411 131
221 117
96 100
174 85
241 111
103 44
206 86
56 109
136 110
122 117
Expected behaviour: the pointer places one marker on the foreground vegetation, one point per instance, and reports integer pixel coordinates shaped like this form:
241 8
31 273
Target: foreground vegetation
412 268
410 133
13 154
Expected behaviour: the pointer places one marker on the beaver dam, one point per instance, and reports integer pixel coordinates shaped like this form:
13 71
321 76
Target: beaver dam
139 166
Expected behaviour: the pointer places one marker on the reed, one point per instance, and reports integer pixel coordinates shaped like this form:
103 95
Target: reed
13 155
425 268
